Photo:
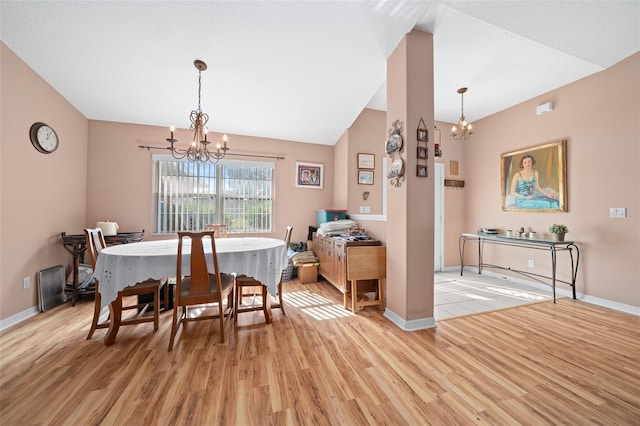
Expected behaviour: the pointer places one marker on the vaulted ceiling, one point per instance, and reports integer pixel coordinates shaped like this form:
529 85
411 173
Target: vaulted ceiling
304 70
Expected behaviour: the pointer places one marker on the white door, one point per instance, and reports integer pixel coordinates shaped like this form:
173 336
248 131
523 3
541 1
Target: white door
438 226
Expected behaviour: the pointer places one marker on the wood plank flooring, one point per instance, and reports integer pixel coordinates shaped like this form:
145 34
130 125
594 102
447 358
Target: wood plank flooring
569 363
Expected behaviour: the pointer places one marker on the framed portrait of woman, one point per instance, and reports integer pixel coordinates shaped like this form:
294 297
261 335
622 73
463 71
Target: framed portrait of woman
535 179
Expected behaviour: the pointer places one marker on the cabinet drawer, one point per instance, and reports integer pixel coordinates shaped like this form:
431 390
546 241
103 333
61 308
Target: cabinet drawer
339 246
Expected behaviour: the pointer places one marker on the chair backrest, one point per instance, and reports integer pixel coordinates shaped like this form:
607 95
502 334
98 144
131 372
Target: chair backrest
366 262
220 230
95 244
287 236
199 274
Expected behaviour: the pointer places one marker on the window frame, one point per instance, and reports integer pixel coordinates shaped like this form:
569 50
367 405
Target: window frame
224 173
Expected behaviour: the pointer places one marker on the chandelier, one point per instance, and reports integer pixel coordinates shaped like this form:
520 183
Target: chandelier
463 129
198 151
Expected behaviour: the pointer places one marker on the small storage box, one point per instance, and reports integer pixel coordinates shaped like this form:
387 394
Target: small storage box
308 273
329 215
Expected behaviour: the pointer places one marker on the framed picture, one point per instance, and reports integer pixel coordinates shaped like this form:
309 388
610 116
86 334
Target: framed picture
421 171
367 161
422 152
309 175
422 135
365 177
535 179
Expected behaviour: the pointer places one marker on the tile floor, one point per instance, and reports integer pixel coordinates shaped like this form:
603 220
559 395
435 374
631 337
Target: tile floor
457 295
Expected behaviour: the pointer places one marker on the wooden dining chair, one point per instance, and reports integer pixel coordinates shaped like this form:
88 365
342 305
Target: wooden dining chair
254 286
220 230
366 265
95 244
200 286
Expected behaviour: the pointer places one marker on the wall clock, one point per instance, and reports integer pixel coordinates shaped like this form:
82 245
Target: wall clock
43 138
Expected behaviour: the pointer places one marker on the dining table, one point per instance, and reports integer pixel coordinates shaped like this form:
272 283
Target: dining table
125 265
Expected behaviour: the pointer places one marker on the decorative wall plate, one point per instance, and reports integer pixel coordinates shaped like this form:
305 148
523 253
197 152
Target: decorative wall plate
394 143
397 168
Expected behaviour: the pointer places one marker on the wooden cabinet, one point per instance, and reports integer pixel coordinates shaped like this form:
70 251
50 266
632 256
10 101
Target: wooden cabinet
332 255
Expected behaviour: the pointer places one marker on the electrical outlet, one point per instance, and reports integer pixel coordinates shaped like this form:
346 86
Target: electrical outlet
26 282
532 263
618 212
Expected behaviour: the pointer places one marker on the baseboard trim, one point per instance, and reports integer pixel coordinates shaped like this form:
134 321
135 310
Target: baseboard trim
605 303
411 325
18 318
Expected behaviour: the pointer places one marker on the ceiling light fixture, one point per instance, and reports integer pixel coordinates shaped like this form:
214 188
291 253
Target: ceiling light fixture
198 152
463 127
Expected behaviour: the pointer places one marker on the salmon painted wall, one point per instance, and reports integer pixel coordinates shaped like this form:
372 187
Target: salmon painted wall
367 135
120 177
41 195
341 173
599 116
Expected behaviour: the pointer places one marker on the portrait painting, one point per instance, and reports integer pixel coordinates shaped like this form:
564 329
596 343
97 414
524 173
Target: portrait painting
535 179
309 175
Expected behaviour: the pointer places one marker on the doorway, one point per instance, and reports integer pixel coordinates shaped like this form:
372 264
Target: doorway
438 225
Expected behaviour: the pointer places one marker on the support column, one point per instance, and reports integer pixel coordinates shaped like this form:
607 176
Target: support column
410 207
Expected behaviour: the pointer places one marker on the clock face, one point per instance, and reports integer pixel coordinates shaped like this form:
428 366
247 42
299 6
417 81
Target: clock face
43 138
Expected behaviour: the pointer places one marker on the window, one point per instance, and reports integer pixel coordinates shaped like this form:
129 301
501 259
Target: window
190 195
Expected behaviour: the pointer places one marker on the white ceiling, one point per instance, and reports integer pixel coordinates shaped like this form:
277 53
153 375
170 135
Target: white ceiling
304 70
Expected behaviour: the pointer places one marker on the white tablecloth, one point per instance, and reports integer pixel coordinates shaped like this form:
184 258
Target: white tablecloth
124 265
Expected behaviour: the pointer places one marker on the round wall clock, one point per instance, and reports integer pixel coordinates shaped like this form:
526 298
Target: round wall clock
43 138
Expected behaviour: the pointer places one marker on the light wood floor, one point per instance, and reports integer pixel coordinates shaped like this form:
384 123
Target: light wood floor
569 363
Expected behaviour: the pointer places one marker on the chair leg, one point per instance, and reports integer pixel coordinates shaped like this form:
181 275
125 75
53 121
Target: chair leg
165 305
265 294
156 307
96 315
174 326
221 312
280 298
237 302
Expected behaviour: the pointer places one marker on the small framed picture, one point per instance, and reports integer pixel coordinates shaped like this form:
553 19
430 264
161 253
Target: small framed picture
423 135
421 171
367 161
422 152
309 175
365 177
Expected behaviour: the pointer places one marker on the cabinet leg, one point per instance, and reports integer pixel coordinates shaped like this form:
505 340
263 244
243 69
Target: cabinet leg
354 296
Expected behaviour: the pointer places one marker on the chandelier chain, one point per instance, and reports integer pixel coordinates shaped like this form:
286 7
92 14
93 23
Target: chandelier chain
199 88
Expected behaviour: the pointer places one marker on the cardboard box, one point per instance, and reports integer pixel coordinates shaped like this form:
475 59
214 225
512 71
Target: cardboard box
308 273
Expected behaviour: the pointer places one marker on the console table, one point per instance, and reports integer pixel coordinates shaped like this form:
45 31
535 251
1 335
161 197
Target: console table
552 246
76 244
